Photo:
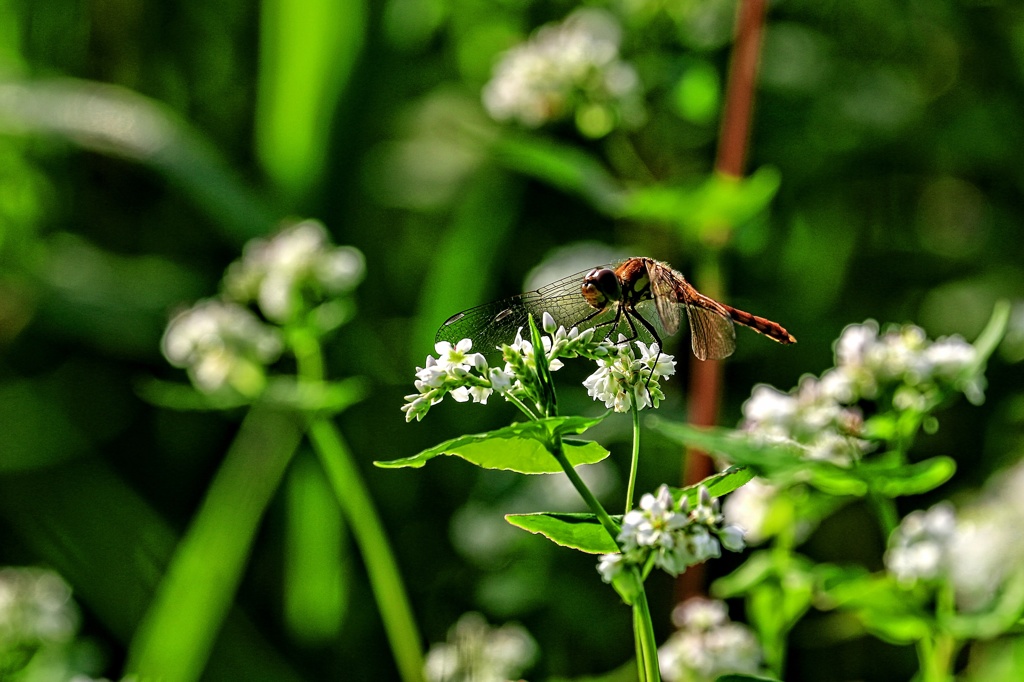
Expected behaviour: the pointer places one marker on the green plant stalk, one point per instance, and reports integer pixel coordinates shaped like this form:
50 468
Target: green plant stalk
367 530
174 640
647 663
635 460
609 525
937 652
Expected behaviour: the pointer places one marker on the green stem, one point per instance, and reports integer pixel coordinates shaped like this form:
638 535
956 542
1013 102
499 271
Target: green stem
634 462
523 407
610 526
647 664
367 529
885 510
638 645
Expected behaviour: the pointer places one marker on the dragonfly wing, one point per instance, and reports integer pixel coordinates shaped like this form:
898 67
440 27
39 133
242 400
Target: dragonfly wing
663 288
493 324
712 333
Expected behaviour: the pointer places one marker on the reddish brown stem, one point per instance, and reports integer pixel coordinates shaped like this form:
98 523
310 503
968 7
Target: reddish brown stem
734 136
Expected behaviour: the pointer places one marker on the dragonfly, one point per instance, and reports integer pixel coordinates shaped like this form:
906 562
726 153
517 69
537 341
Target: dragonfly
638 297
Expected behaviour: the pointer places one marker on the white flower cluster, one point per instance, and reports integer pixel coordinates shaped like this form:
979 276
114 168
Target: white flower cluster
221 344
467 376
568 68
810 415
279 273
673 536
978 548
224 345
481 653
625 380
920 548
820 413
35 609
904 360
707 644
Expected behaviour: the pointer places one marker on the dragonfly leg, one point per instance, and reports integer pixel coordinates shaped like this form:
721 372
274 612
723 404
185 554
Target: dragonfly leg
650 329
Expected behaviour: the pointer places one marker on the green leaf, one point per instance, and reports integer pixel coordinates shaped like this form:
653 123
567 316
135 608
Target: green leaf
562 166
580 531
718 484
994 331
781 463
909 479
758 567
705 209
741 677
519 447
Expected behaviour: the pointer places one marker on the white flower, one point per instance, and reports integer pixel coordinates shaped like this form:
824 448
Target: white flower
654 523
676 535
568 68
920 548
748 508
476 651
810 415
457 359
35 608
279 273
221 344
700 614
622 380
707 645
986 542
610 565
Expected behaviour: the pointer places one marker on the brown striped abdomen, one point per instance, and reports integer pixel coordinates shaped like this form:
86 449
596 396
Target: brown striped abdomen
772 330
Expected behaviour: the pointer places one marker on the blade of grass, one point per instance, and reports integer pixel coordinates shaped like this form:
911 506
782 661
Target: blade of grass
174 639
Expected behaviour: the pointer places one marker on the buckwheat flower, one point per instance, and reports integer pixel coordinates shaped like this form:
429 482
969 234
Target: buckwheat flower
610 565
748 508
571 68
986 543
35 609
221 345
653 524
809 416
920 548
707 645
295 269
481 653
622 380
674 536
457 359
524 348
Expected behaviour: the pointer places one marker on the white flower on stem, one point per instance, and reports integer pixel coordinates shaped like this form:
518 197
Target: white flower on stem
810 416
456 360
653 524
920 548
221 344
623 380
989 556
564 69
870 361
707 644
479 652
674 534
610 565
748 508
35 609
468 377
299 262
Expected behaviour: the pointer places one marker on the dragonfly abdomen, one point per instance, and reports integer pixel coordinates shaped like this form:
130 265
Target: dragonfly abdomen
772 330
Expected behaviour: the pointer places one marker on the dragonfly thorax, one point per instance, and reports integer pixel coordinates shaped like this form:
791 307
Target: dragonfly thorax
601 287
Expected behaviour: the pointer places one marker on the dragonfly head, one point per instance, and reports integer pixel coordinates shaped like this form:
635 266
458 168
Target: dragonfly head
600 287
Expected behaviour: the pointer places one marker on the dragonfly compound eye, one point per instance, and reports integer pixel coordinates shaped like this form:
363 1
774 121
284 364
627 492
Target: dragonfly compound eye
601 286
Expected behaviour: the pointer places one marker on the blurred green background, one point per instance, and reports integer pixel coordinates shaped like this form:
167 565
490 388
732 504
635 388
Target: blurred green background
141 144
